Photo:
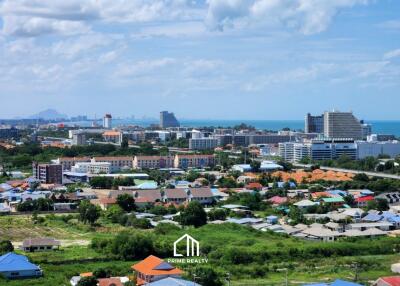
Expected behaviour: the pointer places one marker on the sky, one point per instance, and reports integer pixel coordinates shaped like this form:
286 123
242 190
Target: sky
202 59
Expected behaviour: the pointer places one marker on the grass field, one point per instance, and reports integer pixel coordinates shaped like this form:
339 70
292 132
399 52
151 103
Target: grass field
215 241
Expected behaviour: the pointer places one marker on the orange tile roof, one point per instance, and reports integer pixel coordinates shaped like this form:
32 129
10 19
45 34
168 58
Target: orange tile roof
112 133
148 265
110 281
86 274
108 201
300 175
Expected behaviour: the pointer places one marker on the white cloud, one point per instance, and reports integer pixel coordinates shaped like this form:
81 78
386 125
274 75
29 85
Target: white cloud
306 16
391 25
71 48
392 54
39 17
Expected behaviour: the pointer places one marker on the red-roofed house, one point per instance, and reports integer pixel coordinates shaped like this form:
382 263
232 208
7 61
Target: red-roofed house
388 281
363 201
110 282
153 269
318 195
254 186
104 203
277 200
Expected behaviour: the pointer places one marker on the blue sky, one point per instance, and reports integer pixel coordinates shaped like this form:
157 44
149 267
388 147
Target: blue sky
222 59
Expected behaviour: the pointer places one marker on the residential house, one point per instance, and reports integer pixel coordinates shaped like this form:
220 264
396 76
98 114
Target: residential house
147 197
173 282
177 196
333 201
40 244
277 200
254 186
363 201
154 269
383 225
13 266
202 195
104 203
153 162
304 204
337 282
388 281
184 161
391 198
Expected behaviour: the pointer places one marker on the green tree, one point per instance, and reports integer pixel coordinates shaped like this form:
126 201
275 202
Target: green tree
88 213
349 199
87 281
132 246
382 204
217 214
255 165
126 202
124 143
6 246
193 214
207 276
114 213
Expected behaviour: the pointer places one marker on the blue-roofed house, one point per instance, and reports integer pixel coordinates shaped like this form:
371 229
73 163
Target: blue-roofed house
337 282
282 184
14 266
272 219
173 282
218 195
372 217
149 185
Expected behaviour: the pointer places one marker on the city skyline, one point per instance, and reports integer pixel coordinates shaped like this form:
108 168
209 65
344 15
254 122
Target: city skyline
220 59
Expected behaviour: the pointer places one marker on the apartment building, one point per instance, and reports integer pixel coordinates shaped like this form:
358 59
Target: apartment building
113 136
314 124
153 162
342 125
245 140
203 143
117 162
93 167
47 173
318 149
68 162
193 161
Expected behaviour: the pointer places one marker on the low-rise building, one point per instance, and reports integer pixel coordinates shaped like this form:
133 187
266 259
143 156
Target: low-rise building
153 162
40 244
47 173
206 143
154 269
193 161
14 266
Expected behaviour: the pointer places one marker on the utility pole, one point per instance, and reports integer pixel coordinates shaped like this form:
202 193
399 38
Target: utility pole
228 278
356 271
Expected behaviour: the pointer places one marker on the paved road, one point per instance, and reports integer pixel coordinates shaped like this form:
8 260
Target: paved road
372 174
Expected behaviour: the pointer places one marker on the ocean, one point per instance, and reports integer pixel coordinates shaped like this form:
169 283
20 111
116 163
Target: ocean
378 126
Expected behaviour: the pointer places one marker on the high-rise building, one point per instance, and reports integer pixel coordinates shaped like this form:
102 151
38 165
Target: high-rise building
341 125
78 139
107 121
318 149
203 143
366 130
314 124
47 173
168 119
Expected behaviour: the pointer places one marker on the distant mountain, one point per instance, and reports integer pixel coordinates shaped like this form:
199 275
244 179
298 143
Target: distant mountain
49 114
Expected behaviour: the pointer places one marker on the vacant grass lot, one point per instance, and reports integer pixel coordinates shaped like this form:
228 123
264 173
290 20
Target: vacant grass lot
252 257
